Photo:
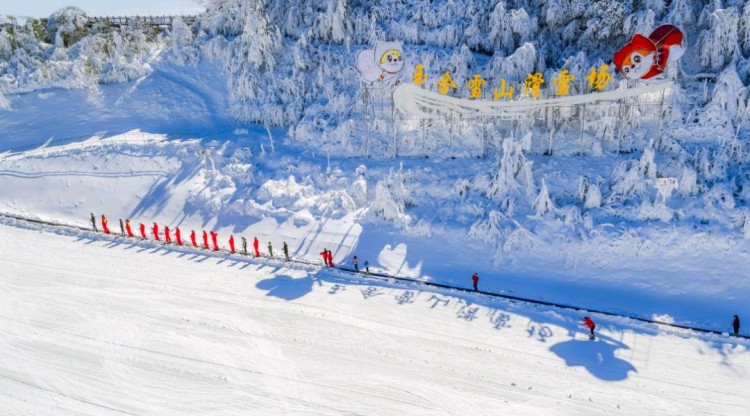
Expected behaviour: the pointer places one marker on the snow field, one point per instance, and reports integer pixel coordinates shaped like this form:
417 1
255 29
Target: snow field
99 327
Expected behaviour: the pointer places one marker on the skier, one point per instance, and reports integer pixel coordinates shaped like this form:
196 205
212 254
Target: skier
330 258
122 229
104 224
270 249
231 243
192 238
736 325
205 240
356 264
590 324
286 251
324 253
214 235
143 231
244 246
155 229
93 221
367 267
255 246
127 228
167 238
178 236
475 281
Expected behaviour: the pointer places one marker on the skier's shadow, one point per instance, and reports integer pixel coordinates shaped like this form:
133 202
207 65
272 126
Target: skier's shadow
598 357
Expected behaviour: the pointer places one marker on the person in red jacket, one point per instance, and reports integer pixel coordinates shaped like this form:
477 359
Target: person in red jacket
127 228
104 224
143 231
256 244
590 325
155 229
167 238
213 239
178 236
330 258
231 243
324 254
205 240
192 238
475 281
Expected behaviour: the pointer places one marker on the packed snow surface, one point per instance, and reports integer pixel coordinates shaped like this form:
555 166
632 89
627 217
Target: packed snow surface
105 326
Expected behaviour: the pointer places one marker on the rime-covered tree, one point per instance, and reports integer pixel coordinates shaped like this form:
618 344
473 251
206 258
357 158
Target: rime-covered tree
513 177
543 203
333 25
718 43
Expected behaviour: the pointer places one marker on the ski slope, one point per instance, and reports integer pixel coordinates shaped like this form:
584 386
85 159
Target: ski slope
100 327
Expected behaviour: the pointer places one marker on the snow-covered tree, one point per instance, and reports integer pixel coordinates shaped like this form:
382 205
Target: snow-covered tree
508 29
67 26
744 29
333 25
717 44
641 21
490 229
681 13
728 105
392 197
592 198
513 176
6 48
543 203
183 43
358 189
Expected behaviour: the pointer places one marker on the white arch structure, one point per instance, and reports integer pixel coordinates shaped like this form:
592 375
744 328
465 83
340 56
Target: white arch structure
418 102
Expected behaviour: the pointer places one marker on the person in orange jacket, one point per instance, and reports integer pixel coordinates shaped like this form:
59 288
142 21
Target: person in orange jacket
475 281
178 236
590 325
143 231
167 238
213 239
192 238
256 244
127 227
104 225
155 229
231 243
205 240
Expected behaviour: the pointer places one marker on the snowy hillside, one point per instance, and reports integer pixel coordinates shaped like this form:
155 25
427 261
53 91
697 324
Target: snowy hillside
250 120
146 330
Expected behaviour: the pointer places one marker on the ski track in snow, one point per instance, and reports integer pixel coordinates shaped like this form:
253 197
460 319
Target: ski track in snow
94 327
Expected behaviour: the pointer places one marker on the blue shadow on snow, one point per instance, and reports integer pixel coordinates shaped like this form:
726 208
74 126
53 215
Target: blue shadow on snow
285 287
598 357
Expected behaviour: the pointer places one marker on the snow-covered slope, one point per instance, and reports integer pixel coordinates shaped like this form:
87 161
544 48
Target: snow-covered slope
103 327
177 127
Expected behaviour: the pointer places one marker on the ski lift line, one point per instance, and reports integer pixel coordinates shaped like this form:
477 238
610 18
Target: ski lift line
415 101
381 277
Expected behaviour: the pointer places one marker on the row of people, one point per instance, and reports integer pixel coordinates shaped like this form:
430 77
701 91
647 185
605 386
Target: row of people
126 230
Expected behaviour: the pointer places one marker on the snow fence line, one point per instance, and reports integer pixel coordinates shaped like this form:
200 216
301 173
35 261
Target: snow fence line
14 219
